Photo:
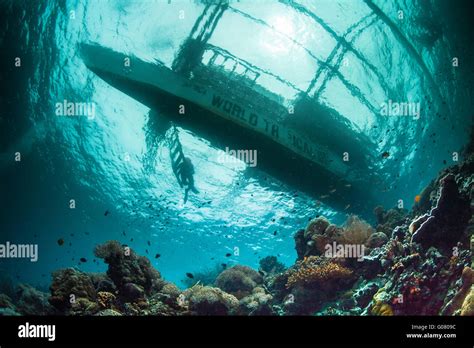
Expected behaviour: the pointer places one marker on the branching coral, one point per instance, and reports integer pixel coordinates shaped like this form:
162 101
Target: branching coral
315 269
105 299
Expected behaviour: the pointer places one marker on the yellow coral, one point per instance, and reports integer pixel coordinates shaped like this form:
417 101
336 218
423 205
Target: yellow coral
381 308
315 269
105 299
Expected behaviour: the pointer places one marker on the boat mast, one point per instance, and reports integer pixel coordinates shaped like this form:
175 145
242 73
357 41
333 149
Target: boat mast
191 51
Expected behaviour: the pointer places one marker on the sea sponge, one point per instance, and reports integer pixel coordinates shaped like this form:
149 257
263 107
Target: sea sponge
68 287
239 280
316 270
206 300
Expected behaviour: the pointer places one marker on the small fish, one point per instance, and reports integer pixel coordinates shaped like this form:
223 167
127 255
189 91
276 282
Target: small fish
106 213
123 232
385 154
324 196
146 250
275 233
347 207
190 275
348 185
83 259
157 256
212 258
228 255
60 241
148 242
332 191
224 265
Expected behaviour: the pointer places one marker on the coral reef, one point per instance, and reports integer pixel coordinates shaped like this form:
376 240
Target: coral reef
206 300
417 262
72 292
443 226
320 233
271 265
388 220
259 302
239 280
467 307
30 301
455 304
310 283
316 270
7 308
105 299
205 277
132 275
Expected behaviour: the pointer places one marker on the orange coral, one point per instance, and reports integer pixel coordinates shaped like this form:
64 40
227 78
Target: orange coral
315 269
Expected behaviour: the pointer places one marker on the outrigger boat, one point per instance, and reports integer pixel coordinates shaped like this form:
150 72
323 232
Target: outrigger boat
225 103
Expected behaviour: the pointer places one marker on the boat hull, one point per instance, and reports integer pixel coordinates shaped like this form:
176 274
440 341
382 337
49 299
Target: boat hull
220 119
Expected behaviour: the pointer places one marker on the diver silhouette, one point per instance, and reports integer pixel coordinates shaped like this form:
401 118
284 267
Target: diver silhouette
182 166
186 172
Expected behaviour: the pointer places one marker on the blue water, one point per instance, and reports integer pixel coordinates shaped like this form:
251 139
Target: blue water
113 163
